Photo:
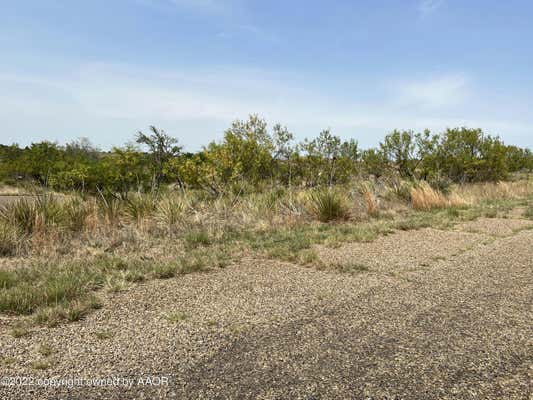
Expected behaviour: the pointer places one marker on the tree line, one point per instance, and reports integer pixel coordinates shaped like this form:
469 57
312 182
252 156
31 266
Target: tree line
251 156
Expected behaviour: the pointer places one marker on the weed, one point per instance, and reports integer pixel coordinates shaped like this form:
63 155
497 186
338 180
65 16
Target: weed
77 311
103 335
194 262
95 303
328 205
490 213
307 257
453 212
45 350
139 207
7 279
196 238
351 268
426 198
50 316
135 276
10 240
7 361
41 364
176 317
74 214
170 211
164 270
111 209
371 201
19 330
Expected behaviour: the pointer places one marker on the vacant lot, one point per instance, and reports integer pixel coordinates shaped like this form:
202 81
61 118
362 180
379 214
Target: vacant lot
426 314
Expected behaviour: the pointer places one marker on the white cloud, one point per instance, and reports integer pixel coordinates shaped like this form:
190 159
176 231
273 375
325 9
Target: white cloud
110 102
436 92
428 7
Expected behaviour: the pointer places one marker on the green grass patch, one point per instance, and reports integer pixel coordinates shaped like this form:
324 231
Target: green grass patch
65 290
197 238
176 317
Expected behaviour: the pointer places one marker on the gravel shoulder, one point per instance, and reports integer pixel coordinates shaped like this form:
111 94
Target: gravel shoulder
439 315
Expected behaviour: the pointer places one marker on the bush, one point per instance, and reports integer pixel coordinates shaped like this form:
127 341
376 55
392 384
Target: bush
169 211
20 214
28 214
73 214
328 205
442 184
139 207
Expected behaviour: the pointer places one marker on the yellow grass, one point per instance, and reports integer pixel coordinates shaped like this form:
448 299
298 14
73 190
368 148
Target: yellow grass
499 190
372 206
426 198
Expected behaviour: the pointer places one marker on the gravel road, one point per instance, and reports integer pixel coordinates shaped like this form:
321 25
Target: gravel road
437 315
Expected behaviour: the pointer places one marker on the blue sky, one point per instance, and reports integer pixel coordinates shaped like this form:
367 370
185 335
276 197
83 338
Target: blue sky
105 69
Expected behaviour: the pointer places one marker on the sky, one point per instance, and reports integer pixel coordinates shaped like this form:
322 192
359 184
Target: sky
104 69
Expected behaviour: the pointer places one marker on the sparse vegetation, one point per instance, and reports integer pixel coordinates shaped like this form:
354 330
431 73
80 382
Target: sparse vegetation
103 335
176 317
328 205
19 329
41 364
113 220
7 361
45 350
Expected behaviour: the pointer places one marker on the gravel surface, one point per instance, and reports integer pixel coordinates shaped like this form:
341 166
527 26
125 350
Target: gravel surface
496 226
402 251
456 327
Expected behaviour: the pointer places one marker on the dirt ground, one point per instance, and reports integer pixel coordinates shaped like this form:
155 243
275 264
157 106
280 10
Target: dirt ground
434 315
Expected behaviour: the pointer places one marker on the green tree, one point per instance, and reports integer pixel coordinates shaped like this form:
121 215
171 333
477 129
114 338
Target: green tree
123 170
161 149
284 154
375 162
468 155
399 147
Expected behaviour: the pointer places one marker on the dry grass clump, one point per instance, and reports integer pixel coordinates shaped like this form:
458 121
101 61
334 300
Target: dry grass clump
495 190
170 211
11 240
74 214
111 210
139 207
425 198
328 205
371 201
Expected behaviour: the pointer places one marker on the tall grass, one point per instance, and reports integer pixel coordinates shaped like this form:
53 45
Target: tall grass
31 213
74 213
328 205
425 198
111 210
11 240
69 284
372 206
139 207
495 190
170 211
